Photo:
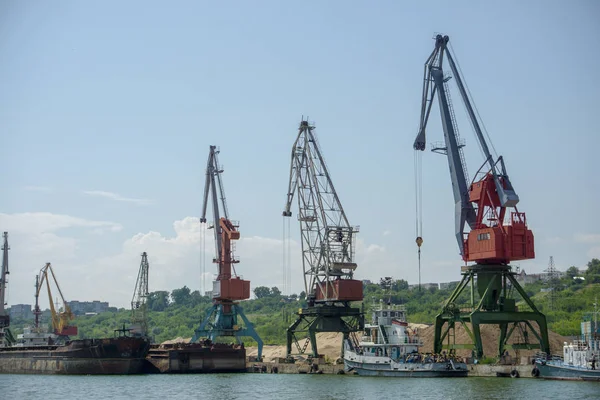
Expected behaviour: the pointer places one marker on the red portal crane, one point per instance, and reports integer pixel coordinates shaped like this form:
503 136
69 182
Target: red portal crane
222 317
495 235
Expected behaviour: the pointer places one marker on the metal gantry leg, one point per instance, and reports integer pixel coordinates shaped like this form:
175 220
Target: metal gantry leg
221 321
312 320
494 307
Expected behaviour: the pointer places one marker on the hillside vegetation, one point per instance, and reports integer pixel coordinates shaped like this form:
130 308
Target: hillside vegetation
180 312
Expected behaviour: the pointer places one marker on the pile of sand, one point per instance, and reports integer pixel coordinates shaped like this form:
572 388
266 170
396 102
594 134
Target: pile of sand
177 340
489 337
330 344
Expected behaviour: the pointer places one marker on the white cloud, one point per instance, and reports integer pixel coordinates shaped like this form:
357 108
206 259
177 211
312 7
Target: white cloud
44 222
387 233
590 238
175 259
35 239
117 197
554 240
587 238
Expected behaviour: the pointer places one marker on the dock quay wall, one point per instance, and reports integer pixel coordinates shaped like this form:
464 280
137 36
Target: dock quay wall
475 370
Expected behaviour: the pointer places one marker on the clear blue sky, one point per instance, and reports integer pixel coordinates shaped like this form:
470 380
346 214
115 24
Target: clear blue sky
126 97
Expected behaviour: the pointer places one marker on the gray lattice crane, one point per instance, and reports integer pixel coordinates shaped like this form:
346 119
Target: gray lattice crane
229 288
139 306
489 228
328 247
6 337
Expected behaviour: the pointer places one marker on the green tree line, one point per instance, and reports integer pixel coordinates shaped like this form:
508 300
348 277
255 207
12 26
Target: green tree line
179 312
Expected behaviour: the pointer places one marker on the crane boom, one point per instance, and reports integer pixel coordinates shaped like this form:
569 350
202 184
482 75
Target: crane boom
225 232
60 320
479 204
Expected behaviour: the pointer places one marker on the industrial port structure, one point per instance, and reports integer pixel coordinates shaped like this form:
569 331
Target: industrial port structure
139 302
490 232
496 236
328 248
6 337
228 289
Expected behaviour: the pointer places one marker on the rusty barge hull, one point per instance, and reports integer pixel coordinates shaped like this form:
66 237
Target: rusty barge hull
74 366
197 358
79 357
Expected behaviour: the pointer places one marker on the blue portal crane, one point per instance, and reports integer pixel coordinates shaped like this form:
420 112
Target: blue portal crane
228 289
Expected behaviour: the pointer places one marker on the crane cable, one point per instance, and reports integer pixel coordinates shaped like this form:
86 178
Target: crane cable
418 206
283 264
286 288
203 258
289 258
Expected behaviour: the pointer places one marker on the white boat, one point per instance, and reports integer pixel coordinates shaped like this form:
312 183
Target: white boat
579 362
389 347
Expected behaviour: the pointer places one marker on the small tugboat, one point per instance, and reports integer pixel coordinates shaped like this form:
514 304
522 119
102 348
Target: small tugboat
578 363
579 358
390 348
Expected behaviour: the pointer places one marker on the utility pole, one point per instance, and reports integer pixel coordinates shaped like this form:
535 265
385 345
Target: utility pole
552 283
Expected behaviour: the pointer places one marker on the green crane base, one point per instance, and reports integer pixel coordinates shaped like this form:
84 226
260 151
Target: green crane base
323 318
222 321
493 306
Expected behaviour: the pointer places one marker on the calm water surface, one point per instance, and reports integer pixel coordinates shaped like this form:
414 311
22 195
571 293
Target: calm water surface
283 386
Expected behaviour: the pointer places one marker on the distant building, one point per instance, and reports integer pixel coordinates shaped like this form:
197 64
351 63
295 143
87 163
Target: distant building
366 282
208 293
523 278
449 285
83 307
21 311
425 286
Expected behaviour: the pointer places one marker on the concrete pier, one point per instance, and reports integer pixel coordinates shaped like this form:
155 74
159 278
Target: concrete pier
475 370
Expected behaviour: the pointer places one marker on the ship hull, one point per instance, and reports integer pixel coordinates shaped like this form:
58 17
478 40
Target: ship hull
385 366
549 370
79 357
193 358
430 370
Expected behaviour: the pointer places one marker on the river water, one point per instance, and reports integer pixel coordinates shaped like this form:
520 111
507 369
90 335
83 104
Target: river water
284 387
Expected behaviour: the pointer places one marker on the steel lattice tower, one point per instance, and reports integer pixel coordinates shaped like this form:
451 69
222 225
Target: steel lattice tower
552 283
139 307
328 246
